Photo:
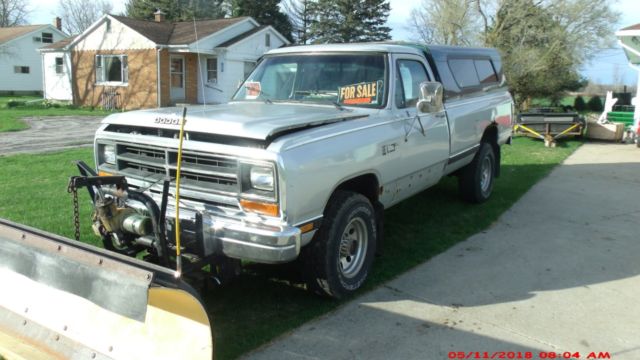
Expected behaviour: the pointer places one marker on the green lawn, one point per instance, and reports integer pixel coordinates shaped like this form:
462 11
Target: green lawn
261 304
10 117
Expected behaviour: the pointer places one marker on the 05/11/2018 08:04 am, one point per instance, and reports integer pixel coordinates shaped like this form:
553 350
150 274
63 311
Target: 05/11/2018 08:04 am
528 355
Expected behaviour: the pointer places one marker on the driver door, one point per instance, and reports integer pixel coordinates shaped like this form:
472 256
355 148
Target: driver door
425 143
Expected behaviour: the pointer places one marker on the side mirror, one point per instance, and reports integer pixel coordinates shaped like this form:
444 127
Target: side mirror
431 94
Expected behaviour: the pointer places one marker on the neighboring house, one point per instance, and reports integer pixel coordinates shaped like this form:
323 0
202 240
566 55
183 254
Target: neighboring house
126 63
20 63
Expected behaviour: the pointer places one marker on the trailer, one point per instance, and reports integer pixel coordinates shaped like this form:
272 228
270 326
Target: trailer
549 125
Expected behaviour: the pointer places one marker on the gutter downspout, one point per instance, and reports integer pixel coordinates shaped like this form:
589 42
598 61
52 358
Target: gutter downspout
44 78
159 81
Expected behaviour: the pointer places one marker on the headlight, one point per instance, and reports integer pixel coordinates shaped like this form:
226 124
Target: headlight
109 154
262 178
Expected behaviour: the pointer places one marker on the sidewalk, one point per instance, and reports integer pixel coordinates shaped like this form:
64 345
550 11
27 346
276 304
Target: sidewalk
559 272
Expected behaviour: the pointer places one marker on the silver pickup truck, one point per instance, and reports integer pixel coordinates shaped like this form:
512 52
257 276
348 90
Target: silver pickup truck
312 148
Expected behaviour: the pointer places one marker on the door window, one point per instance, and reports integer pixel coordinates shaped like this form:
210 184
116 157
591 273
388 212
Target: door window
410 75
177 72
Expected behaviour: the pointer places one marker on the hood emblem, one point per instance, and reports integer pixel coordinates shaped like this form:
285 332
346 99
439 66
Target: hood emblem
167 121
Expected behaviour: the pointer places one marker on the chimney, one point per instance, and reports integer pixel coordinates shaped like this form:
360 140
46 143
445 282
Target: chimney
57 22
159 15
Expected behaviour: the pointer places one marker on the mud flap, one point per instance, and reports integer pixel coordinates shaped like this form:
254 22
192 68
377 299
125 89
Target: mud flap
68 300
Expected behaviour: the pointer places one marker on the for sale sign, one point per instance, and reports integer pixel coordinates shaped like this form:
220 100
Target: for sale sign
361 93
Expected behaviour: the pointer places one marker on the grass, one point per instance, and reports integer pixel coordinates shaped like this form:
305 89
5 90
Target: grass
11 117
261 304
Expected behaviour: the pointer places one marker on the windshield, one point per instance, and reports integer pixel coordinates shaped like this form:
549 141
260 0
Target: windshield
342 79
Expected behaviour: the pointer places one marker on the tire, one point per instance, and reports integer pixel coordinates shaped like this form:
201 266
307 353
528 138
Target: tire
476 179
338 260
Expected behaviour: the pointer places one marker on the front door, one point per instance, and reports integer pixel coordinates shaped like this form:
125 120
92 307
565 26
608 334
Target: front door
423 143
177 77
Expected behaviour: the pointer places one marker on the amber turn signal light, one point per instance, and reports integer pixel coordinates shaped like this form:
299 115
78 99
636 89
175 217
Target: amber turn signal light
260 207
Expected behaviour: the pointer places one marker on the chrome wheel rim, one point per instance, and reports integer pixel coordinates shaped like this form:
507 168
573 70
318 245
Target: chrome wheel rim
353 248
485 174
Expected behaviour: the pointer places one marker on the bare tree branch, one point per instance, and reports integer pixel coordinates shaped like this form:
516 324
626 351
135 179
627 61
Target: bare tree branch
78 15
13 12
450 22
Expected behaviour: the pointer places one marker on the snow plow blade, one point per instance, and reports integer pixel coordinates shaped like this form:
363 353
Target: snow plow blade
62 299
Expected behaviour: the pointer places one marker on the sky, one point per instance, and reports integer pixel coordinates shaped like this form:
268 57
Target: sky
607 66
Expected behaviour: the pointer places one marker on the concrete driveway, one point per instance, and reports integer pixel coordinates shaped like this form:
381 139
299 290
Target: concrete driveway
50 134
558 273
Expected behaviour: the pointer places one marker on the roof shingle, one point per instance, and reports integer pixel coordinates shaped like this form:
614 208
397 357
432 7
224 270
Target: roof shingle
242 36
177 33
632 27
10 33
59 44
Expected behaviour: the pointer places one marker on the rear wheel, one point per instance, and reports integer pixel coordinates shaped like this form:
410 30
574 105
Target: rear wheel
476 179
338 260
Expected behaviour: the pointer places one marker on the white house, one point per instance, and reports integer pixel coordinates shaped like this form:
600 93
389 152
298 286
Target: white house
128 63
20 62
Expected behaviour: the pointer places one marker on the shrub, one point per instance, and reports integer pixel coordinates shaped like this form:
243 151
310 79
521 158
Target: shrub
15 103
595 104
579 104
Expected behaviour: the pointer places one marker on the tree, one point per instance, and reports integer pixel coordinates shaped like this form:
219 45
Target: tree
265 12
579 104
300 16
13 12
535 54
448 22
344 21
543 43
595 104
176 10
78 15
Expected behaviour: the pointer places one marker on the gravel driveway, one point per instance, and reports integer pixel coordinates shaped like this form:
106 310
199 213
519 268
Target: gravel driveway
51 133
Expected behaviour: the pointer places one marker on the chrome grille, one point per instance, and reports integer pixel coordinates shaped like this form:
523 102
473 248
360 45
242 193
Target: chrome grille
199 172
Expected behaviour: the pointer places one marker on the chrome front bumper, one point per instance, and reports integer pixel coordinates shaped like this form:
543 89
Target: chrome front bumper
251 241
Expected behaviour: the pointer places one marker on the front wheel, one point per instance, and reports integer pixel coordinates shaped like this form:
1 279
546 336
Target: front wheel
476 179
338 260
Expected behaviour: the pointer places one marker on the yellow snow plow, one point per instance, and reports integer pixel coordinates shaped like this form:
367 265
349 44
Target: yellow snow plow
63 299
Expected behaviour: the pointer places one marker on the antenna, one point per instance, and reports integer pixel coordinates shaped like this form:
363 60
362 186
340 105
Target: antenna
199 67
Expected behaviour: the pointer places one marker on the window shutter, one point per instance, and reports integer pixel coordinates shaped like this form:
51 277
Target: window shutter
99 71
125 69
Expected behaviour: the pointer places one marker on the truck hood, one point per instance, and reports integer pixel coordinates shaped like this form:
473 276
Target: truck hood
254 120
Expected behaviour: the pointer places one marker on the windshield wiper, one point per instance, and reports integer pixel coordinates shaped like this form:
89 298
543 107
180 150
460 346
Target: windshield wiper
324 100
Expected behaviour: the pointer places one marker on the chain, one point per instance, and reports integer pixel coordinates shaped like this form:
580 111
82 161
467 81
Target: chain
76 213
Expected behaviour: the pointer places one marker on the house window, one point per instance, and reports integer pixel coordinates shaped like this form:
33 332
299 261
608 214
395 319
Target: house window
59 65
47 38
21 69
212 70
112 69
248 68
267 40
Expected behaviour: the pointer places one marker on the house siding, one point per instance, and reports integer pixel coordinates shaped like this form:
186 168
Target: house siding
231 65
140 92
23 52
113 35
